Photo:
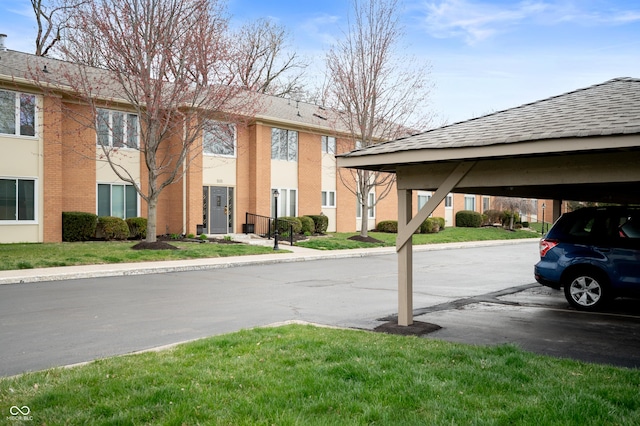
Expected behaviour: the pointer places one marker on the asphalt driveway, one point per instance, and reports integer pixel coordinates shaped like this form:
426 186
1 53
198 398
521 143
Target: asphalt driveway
479 295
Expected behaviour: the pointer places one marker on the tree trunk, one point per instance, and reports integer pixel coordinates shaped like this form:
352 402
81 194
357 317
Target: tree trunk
363 183
152 219
364 226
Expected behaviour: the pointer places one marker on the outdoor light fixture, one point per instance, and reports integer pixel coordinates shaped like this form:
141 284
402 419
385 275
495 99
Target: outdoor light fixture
275 233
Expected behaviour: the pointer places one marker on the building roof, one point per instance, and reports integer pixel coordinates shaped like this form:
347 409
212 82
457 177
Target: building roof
606 109
21 68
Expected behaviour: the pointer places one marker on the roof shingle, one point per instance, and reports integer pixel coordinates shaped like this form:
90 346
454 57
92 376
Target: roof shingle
609 108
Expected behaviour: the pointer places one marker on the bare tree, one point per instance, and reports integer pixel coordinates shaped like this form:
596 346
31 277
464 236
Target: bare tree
165 63
263 62
514 205
52 18
380 94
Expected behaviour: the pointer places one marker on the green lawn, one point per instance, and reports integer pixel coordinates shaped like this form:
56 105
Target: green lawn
303 375
338 241
26 256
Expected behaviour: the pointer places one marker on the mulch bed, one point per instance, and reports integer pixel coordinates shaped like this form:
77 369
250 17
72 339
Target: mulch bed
365 239
418 328
164 242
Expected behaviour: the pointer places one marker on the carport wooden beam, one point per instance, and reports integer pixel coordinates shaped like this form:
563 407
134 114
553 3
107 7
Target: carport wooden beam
407 226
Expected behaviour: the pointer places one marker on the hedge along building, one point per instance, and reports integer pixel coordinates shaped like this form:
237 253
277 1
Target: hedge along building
52 162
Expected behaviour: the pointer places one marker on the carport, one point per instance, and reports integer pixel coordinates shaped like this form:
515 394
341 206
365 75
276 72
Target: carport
582 145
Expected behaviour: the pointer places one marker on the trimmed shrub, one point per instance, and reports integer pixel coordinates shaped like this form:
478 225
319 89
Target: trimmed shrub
112 228
321 223
285 221
390 226
78 226
525 224
431 225
307 225
441 222
492 216
137 227
468 219
506 217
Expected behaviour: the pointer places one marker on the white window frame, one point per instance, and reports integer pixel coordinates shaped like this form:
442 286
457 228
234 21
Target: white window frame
372 208
212 130
17 116
472 199
448 201
35 201
125 129
328 199
423 198
328 144
285 198
111 185
486 200
291 148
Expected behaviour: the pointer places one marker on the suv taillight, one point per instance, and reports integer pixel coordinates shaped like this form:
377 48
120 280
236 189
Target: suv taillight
546 245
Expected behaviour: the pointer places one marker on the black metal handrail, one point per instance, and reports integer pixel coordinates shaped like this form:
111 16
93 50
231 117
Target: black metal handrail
265 226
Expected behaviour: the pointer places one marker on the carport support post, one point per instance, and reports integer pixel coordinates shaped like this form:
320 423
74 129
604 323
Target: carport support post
556 210
407 226
405 262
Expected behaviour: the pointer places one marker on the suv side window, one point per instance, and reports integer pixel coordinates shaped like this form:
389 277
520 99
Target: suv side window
630 228
582 225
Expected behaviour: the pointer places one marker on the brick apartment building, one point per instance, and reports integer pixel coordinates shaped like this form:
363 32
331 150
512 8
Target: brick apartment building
51 164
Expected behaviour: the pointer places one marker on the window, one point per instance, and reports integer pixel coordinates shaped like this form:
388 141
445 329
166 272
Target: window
287 202
284 145
470 202
118 200
372 209
485 203
117 129
329 144
328 198
448 201
219 139
423 198
17 199
17 113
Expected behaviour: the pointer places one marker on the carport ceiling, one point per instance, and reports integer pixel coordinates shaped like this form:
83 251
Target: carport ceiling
582 145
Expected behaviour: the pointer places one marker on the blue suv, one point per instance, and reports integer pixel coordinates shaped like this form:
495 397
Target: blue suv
594 254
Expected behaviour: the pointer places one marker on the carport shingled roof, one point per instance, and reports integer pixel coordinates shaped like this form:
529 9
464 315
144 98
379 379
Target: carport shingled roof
609 108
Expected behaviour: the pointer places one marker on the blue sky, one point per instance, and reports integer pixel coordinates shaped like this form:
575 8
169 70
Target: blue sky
485 55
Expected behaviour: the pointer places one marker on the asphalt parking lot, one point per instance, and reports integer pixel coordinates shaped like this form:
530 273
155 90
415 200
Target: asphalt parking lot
539 319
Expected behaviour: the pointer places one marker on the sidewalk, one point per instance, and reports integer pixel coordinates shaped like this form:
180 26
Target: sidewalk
284 255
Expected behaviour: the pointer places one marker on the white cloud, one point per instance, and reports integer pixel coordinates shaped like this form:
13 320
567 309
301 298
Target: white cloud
321 28
476 21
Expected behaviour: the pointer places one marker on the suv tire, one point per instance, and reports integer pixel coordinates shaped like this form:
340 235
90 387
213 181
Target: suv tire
587 290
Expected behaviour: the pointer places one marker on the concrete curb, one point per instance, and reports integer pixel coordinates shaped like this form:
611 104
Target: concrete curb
297 254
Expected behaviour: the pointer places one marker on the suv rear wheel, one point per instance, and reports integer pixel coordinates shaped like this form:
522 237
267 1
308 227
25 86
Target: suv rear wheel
586 290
